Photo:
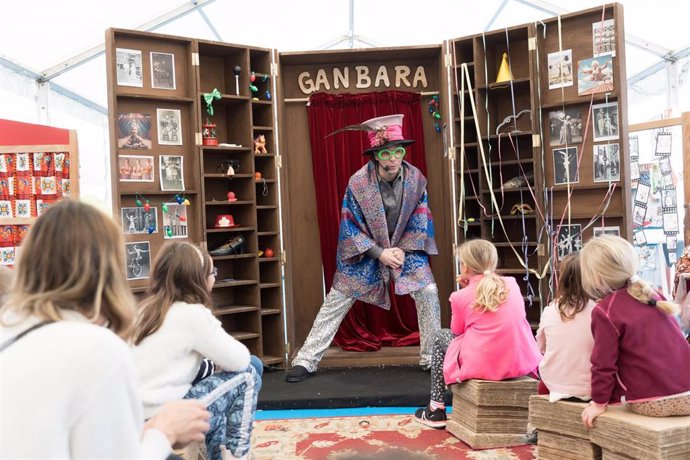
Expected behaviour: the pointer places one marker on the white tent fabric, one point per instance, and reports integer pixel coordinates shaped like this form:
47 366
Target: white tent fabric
45 39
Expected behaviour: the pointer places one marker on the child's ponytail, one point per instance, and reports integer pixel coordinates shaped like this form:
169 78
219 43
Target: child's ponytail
491 292
480 256
642 291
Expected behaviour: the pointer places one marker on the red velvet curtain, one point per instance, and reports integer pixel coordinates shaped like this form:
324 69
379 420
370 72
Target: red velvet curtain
335 159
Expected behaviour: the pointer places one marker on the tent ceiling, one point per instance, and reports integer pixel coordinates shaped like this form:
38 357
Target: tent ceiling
48 36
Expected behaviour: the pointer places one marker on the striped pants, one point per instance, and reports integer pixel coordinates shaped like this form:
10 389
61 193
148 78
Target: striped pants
231 399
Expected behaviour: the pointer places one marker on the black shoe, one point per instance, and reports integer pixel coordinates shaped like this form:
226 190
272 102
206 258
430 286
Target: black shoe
234 246
532 437
297 374
435 419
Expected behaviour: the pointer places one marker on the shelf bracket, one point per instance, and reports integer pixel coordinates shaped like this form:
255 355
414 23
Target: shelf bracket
283 257
195 59
279 161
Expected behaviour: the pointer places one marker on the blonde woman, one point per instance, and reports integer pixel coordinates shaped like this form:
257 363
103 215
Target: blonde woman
489 336
639 354
68 380
175 330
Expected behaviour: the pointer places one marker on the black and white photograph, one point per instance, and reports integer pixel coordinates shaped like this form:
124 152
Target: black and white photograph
175 221
670 222
569 239
607 163
162 70
560 69
634 170
615 231
172 172
565 166
667 180
634 147
565 127
639 213
642 194
128 67
672 258
169 127
668 198
133 131
138 260
663 144
604 38
139 220
671 242
605 119
640 238
665 165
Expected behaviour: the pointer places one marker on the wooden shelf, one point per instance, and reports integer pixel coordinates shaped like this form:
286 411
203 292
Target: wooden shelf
262 102
505 136
243 335
268 259
269 285
599 97
233 309
266 206
514 244
505 85
144 193
228 203
509 190
233 283
154 98
225 149
225 176
268 360
576 186
262 128
226 99
267 233
234 229
238 256
268 181
270 311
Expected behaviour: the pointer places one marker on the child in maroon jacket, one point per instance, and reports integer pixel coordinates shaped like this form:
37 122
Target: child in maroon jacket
640 356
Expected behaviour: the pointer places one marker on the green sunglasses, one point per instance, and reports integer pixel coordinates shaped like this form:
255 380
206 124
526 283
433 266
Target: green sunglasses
387 154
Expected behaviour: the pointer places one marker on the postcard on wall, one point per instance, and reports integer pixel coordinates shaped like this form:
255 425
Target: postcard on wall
128 67
607 163
560 69
668 198
134 168
139 220
642 195
634 147
594 76
169 127
172 172
639 213
663 144
671 242
604 38
138 260
162 70
565 166
670 222
615 231
175 221
569 239
605 120
634 170
133 131
640 238
565 127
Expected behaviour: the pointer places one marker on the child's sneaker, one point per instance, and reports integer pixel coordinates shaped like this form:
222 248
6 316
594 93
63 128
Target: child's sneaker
433 418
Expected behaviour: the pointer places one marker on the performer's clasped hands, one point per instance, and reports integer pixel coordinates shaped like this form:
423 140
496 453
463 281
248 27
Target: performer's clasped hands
392 257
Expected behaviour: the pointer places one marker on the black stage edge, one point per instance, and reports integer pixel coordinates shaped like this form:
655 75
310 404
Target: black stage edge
347 387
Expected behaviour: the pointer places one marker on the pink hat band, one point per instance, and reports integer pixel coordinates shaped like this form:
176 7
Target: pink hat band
385 134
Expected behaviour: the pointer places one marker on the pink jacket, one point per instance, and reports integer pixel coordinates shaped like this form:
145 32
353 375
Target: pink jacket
494 345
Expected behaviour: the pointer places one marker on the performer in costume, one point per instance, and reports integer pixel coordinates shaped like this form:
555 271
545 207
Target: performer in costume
386 234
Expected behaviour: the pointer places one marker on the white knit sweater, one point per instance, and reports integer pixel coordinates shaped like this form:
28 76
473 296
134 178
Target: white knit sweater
68 390
168 360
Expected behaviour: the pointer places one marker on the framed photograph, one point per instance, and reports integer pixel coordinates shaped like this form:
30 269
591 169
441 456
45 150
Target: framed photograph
128 67
607 163
634 170
175 221
615 231
639 213
668 198
569 239
137 220
605 120
172 172
169 127
634 147
560 69
663 144
138 260
565 127
604 38
670 222
565 166
640 238
672 242
135 168
594 76
133 131
642 195
665 165
162 70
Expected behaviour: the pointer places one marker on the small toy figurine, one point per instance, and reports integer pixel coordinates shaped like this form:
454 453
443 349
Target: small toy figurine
260 144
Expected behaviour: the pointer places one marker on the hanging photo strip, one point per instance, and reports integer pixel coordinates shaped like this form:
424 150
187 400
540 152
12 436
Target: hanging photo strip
640 238
634 148
640 203
671 243
670 222
668 198
663 144
634 172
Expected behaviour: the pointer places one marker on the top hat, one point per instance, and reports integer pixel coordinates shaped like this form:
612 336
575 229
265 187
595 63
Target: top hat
384 132
225 221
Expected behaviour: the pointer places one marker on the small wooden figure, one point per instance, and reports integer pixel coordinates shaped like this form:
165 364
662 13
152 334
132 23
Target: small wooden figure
260 144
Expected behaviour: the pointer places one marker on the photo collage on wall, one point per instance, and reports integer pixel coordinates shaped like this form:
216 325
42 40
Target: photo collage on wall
141 140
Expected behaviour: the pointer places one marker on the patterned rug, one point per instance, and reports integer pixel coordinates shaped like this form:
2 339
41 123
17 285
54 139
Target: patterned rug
367 437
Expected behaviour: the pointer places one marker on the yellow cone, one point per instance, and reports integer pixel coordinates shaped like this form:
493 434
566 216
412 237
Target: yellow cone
504 73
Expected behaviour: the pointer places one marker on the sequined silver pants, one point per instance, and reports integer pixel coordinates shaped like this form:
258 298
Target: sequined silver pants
336 306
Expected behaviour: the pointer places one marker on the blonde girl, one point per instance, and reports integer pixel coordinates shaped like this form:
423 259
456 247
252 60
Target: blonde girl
640 355
489 336
67 374
565 337
175 330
